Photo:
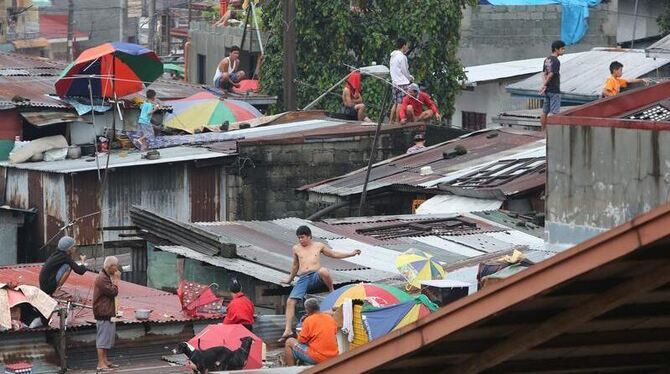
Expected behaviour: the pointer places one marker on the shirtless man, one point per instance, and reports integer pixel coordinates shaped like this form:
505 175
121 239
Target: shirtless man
311 275
226 77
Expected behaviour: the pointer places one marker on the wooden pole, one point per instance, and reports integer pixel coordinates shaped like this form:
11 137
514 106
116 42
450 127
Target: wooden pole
152 25
290 55
373 152
62 346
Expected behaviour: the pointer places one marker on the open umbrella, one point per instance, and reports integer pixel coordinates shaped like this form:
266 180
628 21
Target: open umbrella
206 109
375 294
114 69
220 335
417 266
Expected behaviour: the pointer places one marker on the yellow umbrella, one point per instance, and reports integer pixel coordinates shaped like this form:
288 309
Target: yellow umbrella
417 266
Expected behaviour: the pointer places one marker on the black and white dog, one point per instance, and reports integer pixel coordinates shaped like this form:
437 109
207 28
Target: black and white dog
205 360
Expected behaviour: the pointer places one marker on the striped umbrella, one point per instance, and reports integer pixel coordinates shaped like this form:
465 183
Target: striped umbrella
206 109
417 266
114 69
376 294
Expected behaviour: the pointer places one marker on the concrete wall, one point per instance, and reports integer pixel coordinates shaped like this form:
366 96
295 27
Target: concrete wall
505 33
601 177
214 44
490 98
647 12
101 19
267 175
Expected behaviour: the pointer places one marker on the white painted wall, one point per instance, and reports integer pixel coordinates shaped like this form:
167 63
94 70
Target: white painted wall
490 98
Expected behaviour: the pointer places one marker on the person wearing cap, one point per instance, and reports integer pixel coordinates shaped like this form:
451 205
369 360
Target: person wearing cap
241 309
419 144
412 107
58 266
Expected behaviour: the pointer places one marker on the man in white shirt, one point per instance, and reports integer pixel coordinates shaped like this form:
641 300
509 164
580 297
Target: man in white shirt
400 75
227 76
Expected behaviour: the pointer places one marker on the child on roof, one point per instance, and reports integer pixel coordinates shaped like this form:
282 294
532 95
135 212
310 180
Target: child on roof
615 83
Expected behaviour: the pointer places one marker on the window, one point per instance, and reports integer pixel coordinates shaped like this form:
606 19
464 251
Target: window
473 121
201 68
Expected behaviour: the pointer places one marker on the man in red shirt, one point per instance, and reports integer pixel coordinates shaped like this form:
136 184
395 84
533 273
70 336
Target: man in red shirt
241 309
411 109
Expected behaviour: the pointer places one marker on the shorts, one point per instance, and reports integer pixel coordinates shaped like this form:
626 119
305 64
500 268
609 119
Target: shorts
552 103
307 282
300 353
105 334
62 271
350 112
226 85
398 94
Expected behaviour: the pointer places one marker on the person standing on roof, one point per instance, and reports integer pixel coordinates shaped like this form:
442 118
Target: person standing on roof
59 265
551 82
412 106
352 100
400 76
419 144
615 83
241 309
226 76
311 275
106 289
317 341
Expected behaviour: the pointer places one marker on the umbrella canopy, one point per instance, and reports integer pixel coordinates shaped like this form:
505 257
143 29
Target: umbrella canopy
116 68
174 67
375 294
417 266
11 297
206 109
220 335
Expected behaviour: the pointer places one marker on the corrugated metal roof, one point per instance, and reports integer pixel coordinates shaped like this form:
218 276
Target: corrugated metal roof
483 148
508 69
49 118
456 204
660 49
118 160
79 288
583 77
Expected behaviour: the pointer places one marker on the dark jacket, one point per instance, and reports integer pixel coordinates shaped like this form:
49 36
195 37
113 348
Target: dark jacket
48 282
103 297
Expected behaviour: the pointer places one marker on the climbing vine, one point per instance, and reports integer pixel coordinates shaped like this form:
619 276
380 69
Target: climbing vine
332 35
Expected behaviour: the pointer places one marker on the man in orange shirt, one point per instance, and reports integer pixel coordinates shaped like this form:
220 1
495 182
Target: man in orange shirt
317 341
615 83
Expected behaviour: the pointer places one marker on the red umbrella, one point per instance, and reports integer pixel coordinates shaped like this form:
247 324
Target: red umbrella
229 336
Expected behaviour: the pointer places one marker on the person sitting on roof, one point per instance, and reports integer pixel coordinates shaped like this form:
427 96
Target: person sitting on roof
58 266
419 144
241 309
226 77
317 341
615 83
412 107
352 101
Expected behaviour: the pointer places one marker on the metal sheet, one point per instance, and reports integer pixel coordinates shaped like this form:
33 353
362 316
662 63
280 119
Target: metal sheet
480 242
49 118
449 246
456 204
85 208
204 193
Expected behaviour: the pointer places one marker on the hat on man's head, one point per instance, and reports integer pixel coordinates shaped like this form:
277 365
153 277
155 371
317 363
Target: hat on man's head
413 87
65 243
418 137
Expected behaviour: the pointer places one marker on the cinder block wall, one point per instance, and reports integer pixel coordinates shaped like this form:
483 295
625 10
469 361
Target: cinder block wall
503 33
262 185
600 177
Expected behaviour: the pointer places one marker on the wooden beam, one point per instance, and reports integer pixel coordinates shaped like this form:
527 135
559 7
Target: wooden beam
571 318
640 363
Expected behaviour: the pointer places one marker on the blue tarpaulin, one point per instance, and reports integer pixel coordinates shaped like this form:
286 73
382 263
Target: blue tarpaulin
574 21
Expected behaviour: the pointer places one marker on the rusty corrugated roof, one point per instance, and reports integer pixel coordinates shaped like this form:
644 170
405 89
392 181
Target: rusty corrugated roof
79 289
483 147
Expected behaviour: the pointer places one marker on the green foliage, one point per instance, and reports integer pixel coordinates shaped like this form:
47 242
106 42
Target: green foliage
331 36
664 19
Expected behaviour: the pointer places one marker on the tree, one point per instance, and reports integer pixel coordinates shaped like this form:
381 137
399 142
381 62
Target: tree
332 35
664 19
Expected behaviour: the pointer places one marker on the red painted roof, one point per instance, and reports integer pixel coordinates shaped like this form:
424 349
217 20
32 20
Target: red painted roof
54 26
79 289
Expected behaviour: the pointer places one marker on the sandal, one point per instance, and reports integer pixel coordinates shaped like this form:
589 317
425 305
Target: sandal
112 366
284 338
103 370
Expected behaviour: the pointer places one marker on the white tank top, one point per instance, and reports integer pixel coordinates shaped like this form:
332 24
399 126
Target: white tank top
231 68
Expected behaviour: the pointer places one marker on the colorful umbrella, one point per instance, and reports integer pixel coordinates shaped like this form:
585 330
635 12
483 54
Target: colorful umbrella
417 266
114 68
220 335
206 109
376 294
